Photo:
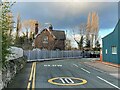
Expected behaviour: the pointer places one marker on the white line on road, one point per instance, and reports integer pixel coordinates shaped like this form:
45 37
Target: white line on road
85 70
75 65
66 80
69 80
108 82
62 80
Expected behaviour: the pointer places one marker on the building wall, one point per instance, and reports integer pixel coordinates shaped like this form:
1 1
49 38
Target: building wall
52 43
39 40
119 40
60 44
109 41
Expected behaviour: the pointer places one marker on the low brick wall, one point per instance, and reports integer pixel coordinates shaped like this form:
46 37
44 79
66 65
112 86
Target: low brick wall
13 66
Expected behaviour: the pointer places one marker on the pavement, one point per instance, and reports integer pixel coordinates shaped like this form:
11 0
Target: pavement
104 67
67 73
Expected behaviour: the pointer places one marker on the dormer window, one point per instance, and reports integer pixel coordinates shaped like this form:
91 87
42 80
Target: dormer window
45 39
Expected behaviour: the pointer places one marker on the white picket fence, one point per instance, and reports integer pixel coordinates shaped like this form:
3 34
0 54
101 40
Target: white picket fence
40 55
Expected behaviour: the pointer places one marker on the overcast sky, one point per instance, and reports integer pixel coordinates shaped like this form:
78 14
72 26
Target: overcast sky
66 15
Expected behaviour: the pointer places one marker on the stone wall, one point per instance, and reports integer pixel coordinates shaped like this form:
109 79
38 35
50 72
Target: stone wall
15 62
13 66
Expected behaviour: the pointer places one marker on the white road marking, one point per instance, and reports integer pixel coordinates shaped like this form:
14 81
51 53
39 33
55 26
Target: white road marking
108 82
75 65
52 65
69 80
62 80
46 65
59 65
85 70
66 80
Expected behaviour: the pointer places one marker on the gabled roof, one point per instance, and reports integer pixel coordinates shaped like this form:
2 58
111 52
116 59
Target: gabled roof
59 34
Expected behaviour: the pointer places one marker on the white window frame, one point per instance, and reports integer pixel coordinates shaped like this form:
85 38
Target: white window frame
114 49
45 39
106 51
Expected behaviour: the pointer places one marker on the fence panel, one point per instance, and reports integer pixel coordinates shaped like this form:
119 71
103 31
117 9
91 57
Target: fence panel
37 54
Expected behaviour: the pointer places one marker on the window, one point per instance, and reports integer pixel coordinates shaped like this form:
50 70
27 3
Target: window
45 39
106 51
114 50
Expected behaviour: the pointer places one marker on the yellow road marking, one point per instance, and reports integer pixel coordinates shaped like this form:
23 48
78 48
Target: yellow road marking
70 84
32 75
30 78
28 87
33 82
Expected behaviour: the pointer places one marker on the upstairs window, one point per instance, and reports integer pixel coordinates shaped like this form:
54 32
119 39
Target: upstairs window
114 50
45 39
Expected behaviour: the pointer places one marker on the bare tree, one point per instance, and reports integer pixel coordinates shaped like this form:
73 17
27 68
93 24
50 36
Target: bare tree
29 25
88 27
92 28
10 22
26 25
18 27
68 44
81 40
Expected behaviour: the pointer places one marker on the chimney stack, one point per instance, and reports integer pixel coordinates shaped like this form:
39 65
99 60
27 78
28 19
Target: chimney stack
50 27
36 28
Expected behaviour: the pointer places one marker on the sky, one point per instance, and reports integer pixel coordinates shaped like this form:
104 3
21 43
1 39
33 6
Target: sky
68 15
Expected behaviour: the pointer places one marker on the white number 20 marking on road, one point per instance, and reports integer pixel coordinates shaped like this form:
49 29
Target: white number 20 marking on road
66 80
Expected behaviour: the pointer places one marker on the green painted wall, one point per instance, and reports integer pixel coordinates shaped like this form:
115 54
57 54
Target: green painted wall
113 39
119 31
119 41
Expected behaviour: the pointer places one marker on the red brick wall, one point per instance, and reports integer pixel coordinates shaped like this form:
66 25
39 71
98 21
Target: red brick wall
52 43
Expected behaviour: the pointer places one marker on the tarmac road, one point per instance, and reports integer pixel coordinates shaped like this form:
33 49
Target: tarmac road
68 73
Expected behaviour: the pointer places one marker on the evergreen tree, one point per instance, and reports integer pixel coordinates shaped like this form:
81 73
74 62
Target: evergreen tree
97 45
6 29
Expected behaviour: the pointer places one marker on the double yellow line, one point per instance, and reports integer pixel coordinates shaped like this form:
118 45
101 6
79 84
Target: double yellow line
32 77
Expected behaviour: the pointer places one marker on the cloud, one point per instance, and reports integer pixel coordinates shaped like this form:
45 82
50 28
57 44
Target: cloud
68 16
64 0
64 14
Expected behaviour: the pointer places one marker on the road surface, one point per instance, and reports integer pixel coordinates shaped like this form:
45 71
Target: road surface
68 73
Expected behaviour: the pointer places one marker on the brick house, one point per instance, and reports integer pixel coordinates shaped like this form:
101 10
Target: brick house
50 39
